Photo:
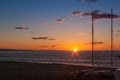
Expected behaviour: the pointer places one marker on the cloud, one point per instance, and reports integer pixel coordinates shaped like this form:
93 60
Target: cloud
88 0
43 38
59 20
76 13
51 39
21 28
95 43
53 45
98 15
118 30
38 38
105 16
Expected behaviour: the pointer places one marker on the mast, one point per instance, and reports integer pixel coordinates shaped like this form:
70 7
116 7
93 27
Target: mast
111 38
92 39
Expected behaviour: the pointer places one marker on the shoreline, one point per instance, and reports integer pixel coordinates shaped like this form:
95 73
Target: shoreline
11 70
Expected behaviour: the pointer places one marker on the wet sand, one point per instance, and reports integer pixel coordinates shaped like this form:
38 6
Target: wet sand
33 71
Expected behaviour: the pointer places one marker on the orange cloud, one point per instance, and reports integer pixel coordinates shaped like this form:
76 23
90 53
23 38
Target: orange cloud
53 45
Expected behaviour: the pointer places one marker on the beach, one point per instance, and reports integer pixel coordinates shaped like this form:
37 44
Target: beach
11 70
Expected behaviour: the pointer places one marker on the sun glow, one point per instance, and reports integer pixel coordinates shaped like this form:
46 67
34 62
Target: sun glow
75 51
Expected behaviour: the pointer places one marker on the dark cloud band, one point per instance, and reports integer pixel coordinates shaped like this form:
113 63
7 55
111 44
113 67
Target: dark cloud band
98 15
21 28
59 20
95 43
43 38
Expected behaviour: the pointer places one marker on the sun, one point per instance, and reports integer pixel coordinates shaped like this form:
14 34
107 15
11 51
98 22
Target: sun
75 50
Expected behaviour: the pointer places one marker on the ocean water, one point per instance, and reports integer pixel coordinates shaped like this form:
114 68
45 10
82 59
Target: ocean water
101 58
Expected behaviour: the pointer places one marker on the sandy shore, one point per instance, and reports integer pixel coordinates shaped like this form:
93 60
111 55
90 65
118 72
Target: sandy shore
33 71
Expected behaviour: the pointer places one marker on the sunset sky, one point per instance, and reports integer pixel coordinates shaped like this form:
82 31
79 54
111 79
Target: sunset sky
57 24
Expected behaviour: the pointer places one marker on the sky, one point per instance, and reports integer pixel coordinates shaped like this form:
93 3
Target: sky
58 24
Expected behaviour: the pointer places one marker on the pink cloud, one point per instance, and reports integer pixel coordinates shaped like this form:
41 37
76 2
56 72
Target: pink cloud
59 20
76 13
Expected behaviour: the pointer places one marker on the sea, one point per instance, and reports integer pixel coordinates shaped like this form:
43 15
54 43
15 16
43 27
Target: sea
100 58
